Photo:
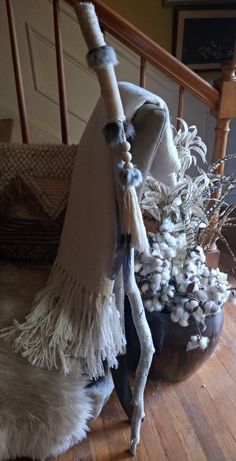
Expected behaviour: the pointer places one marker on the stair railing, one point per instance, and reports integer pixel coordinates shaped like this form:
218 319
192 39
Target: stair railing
220 98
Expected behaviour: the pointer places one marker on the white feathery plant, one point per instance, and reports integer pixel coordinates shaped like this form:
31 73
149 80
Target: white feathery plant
187 143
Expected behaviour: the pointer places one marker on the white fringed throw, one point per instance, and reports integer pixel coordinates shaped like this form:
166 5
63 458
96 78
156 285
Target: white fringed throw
75 315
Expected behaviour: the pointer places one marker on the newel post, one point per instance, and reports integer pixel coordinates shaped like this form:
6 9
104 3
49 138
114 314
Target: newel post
226 109
224 113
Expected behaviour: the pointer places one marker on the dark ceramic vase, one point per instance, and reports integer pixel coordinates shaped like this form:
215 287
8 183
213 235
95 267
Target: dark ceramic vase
171 362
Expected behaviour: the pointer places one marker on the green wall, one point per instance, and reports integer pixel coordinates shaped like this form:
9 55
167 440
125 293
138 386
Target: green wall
149 16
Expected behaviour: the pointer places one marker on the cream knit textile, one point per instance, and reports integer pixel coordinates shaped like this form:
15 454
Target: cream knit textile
75 316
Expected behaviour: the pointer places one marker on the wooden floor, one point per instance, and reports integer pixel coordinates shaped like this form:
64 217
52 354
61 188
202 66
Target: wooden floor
194 420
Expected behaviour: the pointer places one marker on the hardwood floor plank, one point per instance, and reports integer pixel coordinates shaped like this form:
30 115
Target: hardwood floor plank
203 416
99 446
80 452
194 420
182 424
171 442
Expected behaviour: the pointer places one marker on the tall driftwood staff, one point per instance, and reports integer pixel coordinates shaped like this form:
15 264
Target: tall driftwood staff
102 59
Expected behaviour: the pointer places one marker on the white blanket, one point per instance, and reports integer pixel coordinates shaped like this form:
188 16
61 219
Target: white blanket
75 315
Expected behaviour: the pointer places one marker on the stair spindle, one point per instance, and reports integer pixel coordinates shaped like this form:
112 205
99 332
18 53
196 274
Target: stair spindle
61 74
143 66
180 106
18 74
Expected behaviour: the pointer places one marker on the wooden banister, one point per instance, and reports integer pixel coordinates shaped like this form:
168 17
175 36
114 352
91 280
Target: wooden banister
146 48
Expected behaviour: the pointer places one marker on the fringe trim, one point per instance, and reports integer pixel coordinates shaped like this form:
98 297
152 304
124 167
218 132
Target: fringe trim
68 322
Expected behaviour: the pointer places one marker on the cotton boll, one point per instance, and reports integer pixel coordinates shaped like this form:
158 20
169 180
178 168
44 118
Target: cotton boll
213 294
196 284
170 239
212 281
174 271
167 225
202 295
216 308
170 291
192 305
174 318
203 342
222 277
159 269
144 287
145 270
213 273
181 315
198 315
137 267
164 297
182 287
163 246
179 277
158 307
193 343
170 253
208 306
180 312
201 253
222 288
205 272
165 275
156 279
194 256
145 259
194 338
184 323
147 304
191 267
157 251
159 262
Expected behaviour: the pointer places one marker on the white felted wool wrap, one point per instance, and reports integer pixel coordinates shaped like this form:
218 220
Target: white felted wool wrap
75 315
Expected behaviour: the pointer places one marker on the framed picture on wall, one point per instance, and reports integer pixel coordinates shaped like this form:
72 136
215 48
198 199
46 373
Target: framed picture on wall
205 38
198 2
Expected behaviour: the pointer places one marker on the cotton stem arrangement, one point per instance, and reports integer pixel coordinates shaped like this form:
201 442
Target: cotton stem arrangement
174 278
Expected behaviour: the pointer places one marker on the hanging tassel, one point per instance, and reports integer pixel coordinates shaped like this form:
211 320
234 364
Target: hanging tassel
133 225
132 230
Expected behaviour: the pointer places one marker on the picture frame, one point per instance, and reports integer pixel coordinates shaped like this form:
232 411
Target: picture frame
203 39
190 3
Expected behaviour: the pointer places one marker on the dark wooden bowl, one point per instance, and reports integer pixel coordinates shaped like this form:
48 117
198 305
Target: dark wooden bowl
171 362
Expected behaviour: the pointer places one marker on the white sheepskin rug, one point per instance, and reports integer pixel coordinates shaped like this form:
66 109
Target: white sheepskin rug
42 413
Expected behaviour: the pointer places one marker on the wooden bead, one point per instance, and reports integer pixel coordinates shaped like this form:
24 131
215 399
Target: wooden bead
126 157
129 165
125 146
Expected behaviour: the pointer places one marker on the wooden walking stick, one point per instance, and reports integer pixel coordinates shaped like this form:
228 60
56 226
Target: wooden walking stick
102 59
